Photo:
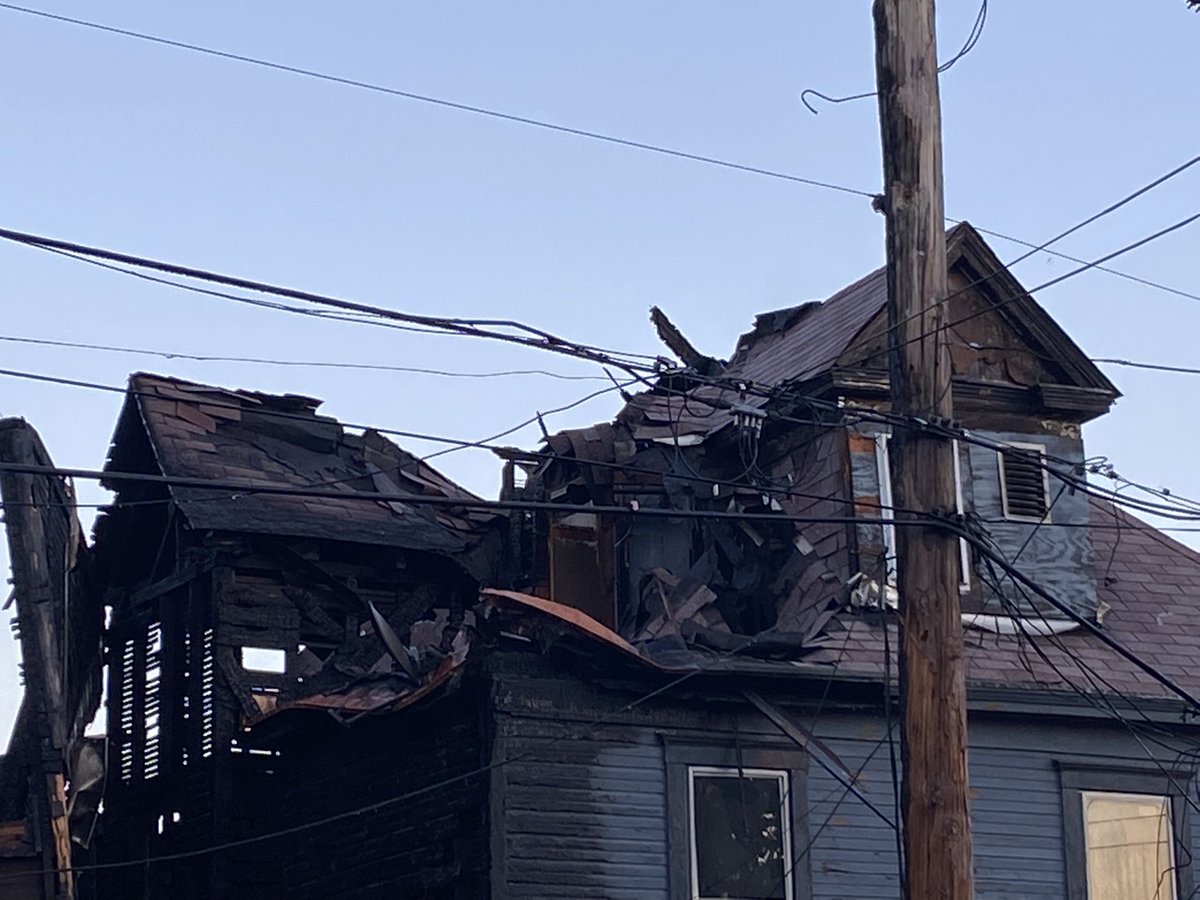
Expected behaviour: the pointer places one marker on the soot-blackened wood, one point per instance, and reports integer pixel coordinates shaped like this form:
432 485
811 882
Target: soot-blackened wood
937 841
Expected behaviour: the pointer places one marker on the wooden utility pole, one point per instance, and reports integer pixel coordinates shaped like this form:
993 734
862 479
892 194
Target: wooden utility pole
937 838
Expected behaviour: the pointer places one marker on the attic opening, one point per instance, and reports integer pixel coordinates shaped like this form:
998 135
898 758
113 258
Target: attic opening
1024 482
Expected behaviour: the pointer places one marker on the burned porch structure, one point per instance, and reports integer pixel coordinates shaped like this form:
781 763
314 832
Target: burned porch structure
228 608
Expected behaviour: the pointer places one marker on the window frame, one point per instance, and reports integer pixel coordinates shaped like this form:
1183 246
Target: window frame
1030 447
782 779
883 474
1077 780
681 757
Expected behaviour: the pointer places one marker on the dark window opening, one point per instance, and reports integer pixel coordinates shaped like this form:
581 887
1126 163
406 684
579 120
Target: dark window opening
740 834
736 817
581 566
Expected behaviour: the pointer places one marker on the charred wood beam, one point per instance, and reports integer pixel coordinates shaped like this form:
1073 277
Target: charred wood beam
670 335
319 621
165 585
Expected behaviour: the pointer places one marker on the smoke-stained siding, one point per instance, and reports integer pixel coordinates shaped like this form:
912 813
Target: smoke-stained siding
586 813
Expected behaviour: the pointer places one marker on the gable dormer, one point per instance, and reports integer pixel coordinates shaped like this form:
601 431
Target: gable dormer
1010 359
1023 388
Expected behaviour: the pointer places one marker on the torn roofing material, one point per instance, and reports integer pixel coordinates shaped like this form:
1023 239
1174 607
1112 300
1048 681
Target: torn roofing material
199 431
804 343
1151 586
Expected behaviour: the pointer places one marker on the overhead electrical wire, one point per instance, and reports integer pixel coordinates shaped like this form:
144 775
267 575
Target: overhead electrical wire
298 363
263 489
438 101
972 39
923 521
554 127
1004 269
1159 367
1059 467
468 327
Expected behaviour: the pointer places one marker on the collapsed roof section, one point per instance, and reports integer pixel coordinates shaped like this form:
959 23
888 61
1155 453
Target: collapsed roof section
178 428
764 433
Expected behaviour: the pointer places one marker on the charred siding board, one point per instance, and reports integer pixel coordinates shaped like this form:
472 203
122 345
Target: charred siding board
431 845
584 817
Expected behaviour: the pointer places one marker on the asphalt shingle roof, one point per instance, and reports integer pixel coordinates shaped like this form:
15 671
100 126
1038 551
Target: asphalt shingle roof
1151 583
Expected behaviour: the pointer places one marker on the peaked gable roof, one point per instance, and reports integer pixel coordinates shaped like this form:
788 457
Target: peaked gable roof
201 431
805 342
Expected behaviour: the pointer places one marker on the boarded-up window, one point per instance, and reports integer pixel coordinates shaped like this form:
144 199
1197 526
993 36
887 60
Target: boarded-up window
1126 832
581 568
1128 842
1023 483
739 834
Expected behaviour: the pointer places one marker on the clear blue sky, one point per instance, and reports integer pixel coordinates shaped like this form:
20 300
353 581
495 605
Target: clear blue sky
1062 108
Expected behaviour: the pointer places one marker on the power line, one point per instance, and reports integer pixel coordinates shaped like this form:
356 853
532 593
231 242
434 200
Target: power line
1184 370
972 39
1182 223
438 101
1145 282
551 126
315 364
258 488
983 550
529 336
1063 473
1124 201
964 435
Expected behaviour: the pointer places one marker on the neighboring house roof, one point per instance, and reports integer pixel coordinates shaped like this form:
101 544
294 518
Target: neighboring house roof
1151 583
199 431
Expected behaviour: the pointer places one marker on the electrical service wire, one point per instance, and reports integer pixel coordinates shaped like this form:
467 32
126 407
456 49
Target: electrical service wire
927 520
313 364
438 101
464 327
972 39
1111 208
247 488
550 126
964 435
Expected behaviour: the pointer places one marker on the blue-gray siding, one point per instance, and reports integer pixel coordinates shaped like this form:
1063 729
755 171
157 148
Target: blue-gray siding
585 816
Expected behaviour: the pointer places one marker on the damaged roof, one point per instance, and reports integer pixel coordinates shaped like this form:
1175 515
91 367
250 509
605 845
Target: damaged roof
200 431
1149 581
798 344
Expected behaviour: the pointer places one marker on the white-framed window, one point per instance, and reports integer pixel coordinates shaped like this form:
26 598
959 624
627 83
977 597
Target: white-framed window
1024 482
739 829
884 474
1128 846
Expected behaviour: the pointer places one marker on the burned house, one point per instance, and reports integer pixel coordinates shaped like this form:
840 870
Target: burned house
665 667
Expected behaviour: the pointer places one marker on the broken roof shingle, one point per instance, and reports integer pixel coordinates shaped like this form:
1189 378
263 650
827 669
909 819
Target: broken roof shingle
199 431
1150 581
